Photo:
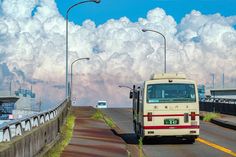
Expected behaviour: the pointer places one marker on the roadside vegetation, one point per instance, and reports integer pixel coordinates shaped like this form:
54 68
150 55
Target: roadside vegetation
66 134
207 117
99 115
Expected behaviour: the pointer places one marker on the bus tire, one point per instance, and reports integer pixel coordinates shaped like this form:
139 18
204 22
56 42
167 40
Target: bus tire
191 140
145 140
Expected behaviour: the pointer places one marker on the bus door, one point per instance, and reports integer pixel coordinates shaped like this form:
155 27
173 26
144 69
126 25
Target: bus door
133 97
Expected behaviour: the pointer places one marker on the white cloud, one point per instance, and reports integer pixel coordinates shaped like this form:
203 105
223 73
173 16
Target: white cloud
18 8
34 47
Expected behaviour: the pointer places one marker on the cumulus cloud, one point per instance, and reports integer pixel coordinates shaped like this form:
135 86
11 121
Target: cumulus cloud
32 48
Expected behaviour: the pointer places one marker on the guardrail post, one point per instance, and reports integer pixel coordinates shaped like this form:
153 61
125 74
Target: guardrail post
42 119
35 122
6 134
28 125
47 117
19 129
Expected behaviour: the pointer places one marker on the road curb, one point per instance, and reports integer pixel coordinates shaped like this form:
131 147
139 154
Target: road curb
223 123
132 149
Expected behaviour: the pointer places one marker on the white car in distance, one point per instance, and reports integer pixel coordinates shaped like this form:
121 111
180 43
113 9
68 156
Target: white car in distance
101 104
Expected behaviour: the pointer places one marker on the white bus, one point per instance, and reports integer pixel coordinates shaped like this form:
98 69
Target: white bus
101 104
166 105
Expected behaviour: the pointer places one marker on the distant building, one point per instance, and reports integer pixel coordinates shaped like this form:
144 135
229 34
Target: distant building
6 108
25 93
17 105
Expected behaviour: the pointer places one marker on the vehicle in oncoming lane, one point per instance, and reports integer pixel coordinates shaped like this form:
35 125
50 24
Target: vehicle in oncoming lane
101 104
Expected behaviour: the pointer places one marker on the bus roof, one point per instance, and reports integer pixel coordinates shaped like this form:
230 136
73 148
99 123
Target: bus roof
167 76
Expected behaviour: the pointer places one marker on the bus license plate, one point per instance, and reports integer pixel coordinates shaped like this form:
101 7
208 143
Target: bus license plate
171 121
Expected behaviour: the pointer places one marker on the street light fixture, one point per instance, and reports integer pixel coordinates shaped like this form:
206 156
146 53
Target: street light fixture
67 14
71 67
121 86
146 30
131 90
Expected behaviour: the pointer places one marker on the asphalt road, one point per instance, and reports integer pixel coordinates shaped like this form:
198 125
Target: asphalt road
217 141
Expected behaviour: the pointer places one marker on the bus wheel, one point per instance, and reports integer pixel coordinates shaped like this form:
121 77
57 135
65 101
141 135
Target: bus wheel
145 140
191 140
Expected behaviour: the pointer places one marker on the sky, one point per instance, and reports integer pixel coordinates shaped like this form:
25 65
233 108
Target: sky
134 9
201 41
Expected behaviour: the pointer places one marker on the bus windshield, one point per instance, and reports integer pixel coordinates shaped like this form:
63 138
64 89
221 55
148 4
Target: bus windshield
171 93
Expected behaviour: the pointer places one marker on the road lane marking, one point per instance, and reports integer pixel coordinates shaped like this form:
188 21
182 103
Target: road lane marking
223 149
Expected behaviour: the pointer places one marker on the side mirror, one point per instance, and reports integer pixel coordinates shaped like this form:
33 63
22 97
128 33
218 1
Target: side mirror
131 95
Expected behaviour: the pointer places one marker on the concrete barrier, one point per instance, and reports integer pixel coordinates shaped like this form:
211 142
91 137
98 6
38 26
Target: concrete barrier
28 137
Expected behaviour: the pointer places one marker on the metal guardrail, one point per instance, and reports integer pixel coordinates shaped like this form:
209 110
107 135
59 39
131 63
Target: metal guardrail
9 130
219 100
224 106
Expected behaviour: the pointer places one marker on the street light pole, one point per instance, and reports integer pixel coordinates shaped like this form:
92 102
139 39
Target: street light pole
67 14
146 30
71 67
213 80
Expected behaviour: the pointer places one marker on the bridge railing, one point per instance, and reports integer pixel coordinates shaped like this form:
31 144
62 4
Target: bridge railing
11 129
219 100
219 105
